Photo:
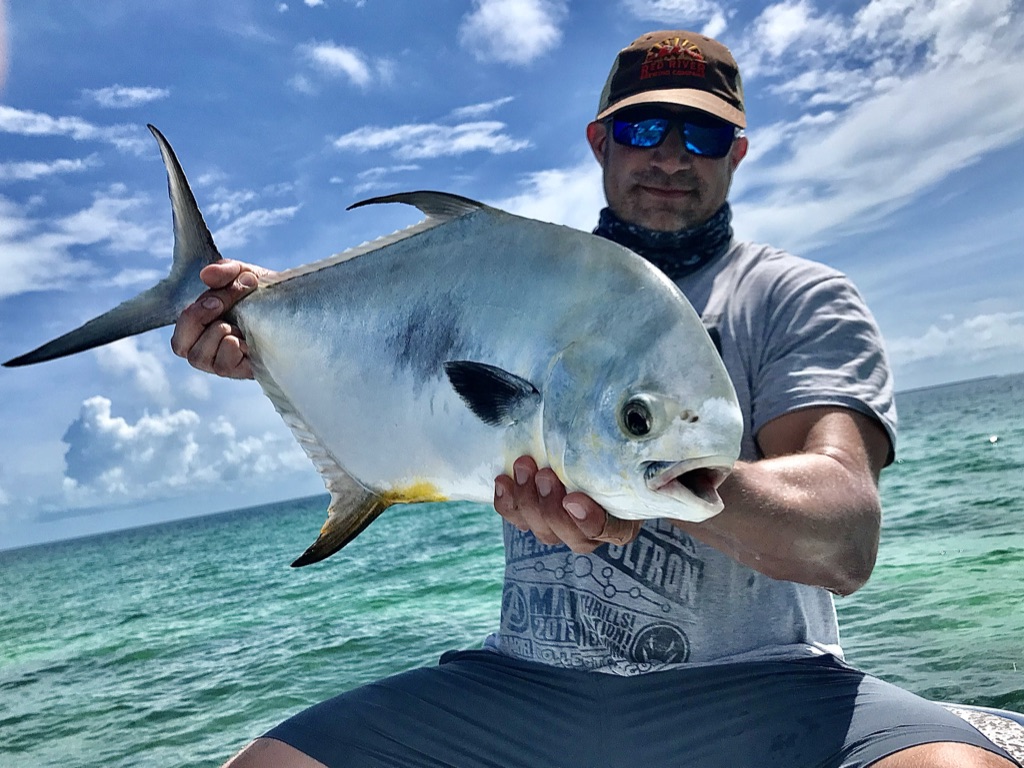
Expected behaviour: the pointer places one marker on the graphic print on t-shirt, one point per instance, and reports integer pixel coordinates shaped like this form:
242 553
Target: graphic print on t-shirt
628 604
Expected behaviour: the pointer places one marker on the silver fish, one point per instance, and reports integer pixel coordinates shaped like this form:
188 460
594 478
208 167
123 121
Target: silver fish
419 366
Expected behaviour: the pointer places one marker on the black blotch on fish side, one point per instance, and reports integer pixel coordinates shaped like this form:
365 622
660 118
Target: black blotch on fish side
428 337
497 397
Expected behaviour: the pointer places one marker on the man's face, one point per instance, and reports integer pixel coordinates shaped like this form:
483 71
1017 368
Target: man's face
665 188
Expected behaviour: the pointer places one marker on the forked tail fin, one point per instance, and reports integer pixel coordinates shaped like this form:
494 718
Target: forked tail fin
161 304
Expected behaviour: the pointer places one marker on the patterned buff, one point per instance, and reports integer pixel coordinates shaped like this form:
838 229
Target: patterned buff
677 254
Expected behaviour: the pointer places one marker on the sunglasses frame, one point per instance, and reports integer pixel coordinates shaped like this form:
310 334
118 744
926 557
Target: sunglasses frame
679 121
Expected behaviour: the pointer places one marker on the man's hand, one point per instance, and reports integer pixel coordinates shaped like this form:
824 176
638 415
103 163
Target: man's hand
202 336
536 501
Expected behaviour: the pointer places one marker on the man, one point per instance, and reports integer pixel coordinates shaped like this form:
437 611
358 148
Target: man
667 643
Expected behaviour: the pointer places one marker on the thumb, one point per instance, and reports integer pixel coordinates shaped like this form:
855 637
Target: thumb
223 273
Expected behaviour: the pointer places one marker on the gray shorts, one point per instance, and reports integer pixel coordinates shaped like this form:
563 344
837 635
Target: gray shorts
480 708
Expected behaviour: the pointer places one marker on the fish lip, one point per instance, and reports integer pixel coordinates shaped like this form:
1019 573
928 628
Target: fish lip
692 480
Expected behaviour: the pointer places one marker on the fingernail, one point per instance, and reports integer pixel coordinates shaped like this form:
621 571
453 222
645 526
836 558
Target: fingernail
248 280
543 485
576 510
498 491
521 476
211 303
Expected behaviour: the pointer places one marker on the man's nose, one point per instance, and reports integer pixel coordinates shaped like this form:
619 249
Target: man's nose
672 151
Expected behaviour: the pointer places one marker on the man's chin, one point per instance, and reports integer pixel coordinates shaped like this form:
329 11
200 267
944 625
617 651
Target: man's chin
661 220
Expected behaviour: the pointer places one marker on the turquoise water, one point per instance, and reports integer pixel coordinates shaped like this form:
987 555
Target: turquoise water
175 644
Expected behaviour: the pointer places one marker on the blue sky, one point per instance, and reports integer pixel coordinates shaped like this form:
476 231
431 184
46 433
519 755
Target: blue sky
886 140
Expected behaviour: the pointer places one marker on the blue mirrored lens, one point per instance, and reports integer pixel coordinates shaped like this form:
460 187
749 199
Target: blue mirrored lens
710 141
706 140
642 133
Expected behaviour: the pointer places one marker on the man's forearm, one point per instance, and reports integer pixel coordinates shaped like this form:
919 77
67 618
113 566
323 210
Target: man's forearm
807 518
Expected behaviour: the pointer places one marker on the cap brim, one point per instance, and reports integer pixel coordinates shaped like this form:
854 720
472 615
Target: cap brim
683 97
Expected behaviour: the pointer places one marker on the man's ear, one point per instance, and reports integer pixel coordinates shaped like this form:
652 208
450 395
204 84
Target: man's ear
597 137
738 151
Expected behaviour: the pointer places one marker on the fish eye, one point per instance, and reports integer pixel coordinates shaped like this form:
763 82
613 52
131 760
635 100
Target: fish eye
636 417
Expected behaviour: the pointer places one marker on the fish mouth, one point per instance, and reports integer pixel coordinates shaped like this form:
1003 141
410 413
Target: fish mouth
690 481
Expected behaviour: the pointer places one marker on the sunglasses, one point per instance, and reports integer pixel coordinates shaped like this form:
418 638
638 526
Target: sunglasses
647 129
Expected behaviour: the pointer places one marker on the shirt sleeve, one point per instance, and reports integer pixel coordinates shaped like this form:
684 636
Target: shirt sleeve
821 346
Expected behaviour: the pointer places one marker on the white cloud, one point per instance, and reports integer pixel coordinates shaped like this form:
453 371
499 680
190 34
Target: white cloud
35 253
716 25
28 262
891 130
302 84
817 87
862 164
145 278
143 366
781 27
338 59
512 31
949 30
376 178
241 230
209 178
124 96
884 39
335 60
427 140
971 339
4 498
678 13
313 3
32 170
570 196
108 221
198 386
475 111
227 203
112 460
24 122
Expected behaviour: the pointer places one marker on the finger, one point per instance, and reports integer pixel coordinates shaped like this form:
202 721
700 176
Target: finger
231 281
222 273
550 493
527 500
504 501
230 292
204 353
232 358
596 524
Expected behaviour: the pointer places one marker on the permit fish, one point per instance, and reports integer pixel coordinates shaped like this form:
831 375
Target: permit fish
417 367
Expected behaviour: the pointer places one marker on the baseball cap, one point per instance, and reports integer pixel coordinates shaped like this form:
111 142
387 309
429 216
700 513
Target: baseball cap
675 67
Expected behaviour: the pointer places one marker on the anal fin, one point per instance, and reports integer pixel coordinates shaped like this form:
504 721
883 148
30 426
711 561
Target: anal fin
352 508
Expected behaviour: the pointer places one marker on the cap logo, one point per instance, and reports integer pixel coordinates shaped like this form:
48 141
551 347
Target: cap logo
674 56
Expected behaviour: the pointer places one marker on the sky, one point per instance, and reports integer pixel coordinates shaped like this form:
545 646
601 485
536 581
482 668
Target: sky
886 139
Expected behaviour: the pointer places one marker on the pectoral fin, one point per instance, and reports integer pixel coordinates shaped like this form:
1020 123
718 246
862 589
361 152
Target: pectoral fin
498 397
352 508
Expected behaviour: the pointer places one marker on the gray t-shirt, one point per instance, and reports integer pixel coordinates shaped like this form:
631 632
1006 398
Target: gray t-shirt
793 334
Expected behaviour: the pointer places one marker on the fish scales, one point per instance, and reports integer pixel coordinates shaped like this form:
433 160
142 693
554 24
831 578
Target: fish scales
419 366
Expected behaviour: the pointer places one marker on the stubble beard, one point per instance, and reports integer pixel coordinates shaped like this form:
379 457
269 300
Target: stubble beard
668 214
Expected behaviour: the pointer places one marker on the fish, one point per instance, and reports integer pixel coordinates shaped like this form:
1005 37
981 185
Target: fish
418 366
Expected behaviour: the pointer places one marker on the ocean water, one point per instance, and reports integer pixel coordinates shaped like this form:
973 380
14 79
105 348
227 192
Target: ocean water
173 645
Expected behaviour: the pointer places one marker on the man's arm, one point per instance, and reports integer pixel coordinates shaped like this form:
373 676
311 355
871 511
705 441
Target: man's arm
202 336
808 512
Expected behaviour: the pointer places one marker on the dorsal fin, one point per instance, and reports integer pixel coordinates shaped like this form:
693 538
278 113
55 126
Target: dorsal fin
437 205
440 207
